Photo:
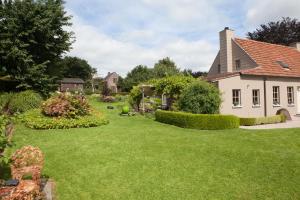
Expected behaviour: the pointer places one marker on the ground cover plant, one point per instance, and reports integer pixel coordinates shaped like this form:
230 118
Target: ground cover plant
138 158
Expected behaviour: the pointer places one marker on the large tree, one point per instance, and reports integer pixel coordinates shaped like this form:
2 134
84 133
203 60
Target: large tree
136 76
74 67
165 67
284 32
32 39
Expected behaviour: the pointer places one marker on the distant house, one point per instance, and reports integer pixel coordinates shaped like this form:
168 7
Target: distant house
256 78
70 84
112 81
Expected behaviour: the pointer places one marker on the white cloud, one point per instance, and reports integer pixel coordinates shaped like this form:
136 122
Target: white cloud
121 54
263 11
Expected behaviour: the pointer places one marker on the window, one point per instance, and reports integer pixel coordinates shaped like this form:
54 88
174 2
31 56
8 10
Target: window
276 95
236 97
256 97
115 80
290 95
219 68
238 64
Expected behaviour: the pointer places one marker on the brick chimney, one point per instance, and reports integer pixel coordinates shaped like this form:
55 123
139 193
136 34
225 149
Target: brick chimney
226 37
296 45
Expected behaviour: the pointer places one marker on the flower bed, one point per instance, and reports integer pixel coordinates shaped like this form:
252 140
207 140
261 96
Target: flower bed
36 120
198 121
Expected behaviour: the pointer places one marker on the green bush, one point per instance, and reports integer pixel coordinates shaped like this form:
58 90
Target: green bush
36 120
198 121
135 97
20 102
24 101
200 97
66 105
262 120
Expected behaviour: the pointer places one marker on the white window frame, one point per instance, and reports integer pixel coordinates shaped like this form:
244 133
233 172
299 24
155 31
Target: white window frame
236 98
256 97
276 96
290 95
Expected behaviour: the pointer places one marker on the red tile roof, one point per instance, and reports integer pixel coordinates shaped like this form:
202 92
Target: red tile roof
267 55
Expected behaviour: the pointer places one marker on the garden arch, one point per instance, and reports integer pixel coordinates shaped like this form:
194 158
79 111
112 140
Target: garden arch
284 112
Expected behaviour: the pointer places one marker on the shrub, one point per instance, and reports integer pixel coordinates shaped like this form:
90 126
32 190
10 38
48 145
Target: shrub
200 97
19 102
66 105
27 156
135 97
24 101
36 120
262 120
197 121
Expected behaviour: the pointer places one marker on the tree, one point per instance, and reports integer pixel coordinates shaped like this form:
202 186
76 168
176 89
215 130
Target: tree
200 97
74 67
284 32
165 67
32 39
196 74
136 76
171 86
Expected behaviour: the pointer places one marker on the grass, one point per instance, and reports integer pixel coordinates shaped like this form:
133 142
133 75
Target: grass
138 158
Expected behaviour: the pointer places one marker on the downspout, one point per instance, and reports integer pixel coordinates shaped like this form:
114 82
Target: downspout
265 96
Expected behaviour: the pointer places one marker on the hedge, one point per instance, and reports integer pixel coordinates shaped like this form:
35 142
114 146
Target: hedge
262 120
198 121
36 120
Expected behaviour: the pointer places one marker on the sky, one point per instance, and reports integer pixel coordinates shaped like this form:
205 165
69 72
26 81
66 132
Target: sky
117 35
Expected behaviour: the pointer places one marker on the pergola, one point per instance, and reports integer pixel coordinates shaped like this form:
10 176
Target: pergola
148 90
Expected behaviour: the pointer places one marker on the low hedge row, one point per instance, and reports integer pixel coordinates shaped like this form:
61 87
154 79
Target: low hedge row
198 121
36 120
262 120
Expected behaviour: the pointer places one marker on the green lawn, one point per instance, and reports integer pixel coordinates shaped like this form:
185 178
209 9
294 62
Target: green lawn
138 158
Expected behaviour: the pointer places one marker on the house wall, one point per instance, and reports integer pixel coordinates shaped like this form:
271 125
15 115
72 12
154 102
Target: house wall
214 67
70 86
237 54
110 82
246 84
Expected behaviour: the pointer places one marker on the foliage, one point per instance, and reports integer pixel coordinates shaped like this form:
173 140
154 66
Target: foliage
261 120
136 76
284 32
74 67
165 67
32 38
66 105
24 101
3 139
201 98
198 121
196 74
171 86
11 103
135 97
27 156
36 120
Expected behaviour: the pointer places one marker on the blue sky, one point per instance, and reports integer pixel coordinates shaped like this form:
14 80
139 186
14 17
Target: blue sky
117 35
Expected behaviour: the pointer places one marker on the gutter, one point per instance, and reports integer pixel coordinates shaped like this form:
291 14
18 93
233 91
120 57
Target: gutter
265 96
